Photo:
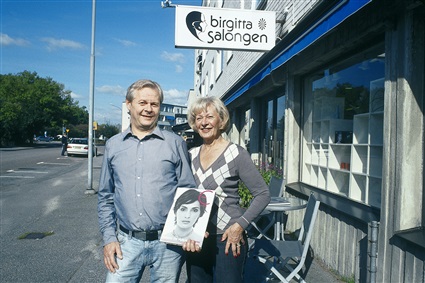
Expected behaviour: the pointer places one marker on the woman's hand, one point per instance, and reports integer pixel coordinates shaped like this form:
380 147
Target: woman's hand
193 246
234 236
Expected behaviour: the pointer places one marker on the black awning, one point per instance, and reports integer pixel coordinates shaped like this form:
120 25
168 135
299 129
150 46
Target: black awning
181 127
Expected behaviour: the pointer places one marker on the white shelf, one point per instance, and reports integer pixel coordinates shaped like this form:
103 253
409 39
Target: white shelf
322 177
376 128
338 155
359 159
374 192
375 161
360 128
345 156
338 182
357 185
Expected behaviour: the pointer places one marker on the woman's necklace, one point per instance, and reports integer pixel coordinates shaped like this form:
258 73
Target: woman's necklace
182 238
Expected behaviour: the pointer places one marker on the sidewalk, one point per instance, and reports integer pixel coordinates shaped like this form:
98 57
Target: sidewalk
93 269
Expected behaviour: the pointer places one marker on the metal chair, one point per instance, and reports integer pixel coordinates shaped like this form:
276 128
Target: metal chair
275 188
290 255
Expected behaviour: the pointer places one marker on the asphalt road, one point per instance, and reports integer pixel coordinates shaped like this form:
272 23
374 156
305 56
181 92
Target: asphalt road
43 195
22 165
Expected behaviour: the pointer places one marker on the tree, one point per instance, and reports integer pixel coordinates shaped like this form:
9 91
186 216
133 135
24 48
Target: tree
31 104
108 130
78 131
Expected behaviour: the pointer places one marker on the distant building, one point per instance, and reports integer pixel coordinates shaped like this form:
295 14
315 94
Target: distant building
171 115
125 117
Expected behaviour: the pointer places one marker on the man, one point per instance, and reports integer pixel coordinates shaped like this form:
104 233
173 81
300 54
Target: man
64 140
141 170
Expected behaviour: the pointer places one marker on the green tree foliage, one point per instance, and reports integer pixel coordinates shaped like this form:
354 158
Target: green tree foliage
78 131
31 105
108 130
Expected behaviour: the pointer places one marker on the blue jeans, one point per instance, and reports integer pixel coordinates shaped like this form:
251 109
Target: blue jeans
165 261
63 149
211 264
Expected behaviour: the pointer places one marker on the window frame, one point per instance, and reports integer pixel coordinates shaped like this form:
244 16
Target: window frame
320 165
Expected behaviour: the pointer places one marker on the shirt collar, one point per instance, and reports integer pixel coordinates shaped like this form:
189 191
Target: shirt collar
156 132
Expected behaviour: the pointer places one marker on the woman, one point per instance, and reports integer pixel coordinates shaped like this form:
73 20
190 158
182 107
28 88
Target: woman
188 208
219 165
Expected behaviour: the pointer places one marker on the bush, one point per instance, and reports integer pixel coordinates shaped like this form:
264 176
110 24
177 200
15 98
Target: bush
266 171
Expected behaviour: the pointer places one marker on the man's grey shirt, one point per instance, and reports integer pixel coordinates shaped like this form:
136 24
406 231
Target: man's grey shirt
138 180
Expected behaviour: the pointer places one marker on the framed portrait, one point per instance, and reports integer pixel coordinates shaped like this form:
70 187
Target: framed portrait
343 137
188 216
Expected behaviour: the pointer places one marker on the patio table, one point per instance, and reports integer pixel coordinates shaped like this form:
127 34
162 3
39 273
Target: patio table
278 206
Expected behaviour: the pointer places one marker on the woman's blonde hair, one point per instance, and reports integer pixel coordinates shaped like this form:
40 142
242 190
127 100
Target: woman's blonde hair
203 103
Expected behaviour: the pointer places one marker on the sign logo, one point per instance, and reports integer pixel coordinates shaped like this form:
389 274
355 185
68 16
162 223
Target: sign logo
201 27
262 24
196 23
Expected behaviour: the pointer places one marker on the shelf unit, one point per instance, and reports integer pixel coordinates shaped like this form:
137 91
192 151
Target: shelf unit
352 168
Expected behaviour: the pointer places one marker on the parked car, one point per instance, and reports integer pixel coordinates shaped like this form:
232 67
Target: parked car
79 146
43 138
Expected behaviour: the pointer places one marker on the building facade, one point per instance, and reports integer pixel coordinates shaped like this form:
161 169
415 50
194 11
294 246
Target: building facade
337 106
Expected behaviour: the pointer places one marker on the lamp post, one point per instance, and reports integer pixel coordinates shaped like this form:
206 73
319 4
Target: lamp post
116 106
125 119
120 108
89 190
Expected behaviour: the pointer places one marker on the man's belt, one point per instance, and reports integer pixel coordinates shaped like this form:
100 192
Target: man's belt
142 235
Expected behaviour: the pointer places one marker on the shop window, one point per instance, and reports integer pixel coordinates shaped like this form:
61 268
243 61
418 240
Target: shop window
247 129
258 4
219 64
343 128
272 144
213 75
229 55
280 131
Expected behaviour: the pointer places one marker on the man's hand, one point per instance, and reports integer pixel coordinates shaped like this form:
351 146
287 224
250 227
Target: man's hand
193 246
109 252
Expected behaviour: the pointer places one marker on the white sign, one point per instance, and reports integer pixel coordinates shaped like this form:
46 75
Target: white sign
212 28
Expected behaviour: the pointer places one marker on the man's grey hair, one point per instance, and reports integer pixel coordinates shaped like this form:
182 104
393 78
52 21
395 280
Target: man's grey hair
140 84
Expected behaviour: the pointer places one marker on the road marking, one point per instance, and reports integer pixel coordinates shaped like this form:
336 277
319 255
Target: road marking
51 163
19 171
17 177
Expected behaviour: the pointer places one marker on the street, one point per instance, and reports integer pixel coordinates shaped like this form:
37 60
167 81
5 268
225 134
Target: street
20 166
43 193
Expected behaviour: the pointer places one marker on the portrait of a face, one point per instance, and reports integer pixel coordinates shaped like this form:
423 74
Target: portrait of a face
188 217
188 214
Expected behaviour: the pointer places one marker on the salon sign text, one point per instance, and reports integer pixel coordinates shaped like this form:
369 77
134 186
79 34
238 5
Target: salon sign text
234 29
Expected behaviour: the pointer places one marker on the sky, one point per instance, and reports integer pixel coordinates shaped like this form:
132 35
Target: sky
133 40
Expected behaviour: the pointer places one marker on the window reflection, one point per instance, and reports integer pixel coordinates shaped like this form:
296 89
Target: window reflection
343 129
273 153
